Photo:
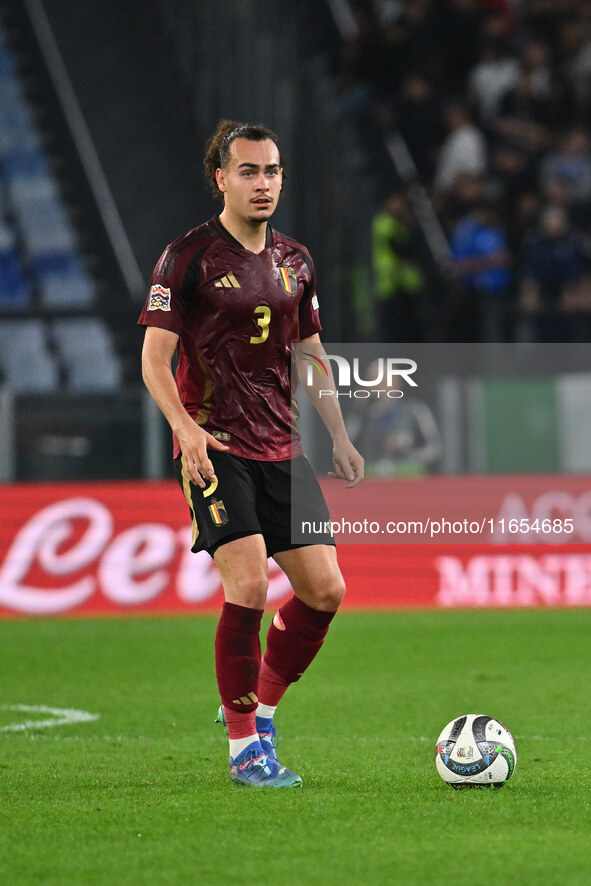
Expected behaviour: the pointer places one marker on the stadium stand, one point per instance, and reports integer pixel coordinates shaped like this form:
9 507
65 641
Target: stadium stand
371 98
43 270
86 347
15 290
25 357
492 98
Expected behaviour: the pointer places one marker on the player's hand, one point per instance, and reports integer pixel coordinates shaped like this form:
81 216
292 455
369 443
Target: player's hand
195 442
349 464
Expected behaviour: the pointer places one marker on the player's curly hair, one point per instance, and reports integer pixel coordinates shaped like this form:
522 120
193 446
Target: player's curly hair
217 150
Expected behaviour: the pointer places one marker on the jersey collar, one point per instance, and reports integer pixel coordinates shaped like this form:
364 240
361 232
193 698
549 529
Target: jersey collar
228 236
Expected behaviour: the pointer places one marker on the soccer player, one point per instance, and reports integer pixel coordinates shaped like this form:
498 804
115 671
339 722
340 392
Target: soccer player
230 297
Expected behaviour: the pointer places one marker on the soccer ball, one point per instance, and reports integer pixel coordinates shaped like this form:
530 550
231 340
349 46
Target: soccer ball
475 751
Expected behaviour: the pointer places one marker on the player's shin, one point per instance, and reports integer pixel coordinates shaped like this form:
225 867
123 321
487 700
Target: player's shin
294 639
237 661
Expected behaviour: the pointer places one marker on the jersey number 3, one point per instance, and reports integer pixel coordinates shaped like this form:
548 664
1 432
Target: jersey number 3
264 314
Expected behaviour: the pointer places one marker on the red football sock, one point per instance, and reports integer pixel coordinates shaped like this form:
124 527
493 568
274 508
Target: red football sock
240 725
293 641
237 663
271 686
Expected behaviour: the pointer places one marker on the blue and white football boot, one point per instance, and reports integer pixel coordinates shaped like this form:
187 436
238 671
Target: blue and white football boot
253 767
266 729
268 740
268 735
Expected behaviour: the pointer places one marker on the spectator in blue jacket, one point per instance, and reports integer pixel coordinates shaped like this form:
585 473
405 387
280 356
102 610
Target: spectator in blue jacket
483 275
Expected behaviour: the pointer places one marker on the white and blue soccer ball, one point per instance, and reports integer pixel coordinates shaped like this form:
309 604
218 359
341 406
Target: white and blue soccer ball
475 751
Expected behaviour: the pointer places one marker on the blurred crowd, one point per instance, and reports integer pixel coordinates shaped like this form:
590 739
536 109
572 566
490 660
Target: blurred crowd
493 101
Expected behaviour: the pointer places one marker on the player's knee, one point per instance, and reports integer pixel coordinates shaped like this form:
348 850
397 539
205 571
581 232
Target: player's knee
248 590
329 595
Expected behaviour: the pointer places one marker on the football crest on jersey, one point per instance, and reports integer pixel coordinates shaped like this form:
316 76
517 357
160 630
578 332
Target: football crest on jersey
289 280
218 513
159 298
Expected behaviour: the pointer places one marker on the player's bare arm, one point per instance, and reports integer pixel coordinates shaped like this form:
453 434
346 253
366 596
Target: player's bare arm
158 350
348 462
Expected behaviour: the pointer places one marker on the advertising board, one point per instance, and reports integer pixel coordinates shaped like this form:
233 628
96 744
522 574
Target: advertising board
123 548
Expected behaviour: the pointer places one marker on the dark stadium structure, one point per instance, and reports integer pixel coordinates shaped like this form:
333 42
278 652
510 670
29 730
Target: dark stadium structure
438 161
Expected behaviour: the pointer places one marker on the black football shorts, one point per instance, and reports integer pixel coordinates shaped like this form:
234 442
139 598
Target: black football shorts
253 497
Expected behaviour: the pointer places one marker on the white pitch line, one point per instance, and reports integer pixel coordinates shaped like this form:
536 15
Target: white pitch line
59 717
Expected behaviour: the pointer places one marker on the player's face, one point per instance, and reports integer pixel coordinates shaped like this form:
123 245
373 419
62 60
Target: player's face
251 181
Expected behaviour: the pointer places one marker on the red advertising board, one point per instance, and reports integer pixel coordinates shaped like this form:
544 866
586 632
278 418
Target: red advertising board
124 548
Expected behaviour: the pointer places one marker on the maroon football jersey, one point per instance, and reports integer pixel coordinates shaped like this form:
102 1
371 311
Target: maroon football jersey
236 314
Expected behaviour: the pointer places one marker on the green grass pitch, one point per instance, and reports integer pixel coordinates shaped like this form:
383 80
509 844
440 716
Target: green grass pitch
141 795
